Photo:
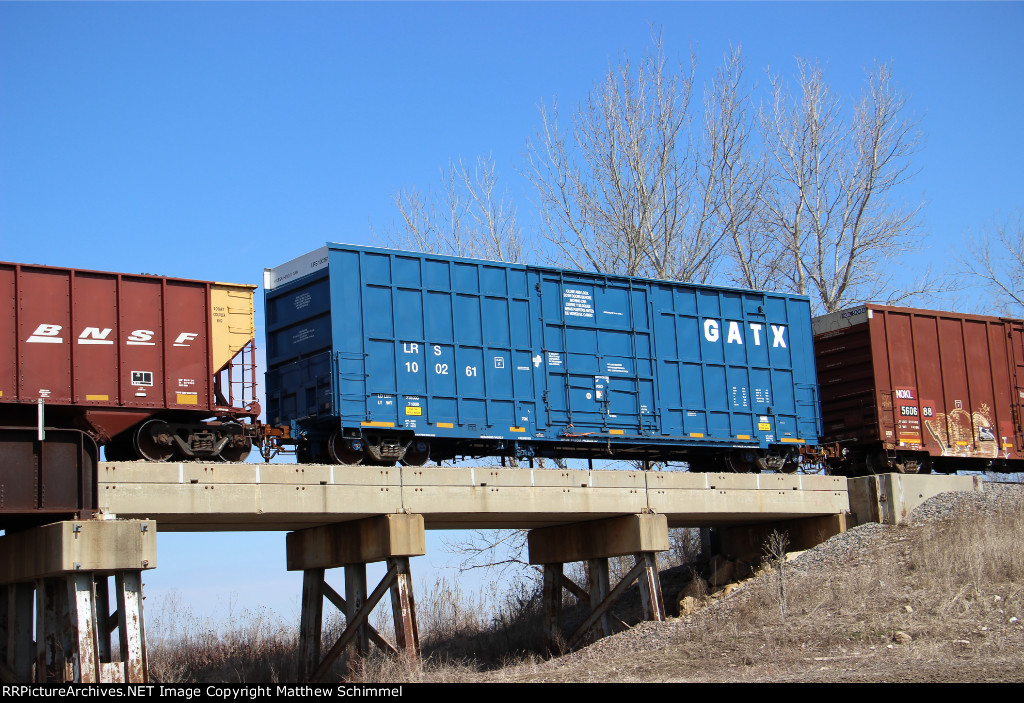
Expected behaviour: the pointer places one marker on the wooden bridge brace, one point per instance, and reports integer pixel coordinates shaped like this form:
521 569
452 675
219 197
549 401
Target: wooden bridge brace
595 542
389 538
55 619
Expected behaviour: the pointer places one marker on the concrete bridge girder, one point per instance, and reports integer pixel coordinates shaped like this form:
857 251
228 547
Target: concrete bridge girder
286 497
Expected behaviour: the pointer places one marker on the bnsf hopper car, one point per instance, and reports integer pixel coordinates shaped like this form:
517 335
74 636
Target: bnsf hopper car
918 390
376 356
147 366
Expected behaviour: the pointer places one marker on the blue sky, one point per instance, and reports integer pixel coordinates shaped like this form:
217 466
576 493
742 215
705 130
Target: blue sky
210 141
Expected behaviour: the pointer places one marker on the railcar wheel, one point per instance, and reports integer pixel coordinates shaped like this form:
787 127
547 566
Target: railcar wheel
878 463
239 446
789 466
153 441
345 452
417 454
744 462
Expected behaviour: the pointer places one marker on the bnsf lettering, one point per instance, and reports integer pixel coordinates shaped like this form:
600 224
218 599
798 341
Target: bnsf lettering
141 338
46 334
94 335
734 335
51 334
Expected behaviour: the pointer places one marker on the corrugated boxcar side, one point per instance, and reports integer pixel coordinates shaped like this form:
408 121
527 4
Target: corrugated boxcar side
735 364
428 344
455 347
598 342
922 381
97 340
299 349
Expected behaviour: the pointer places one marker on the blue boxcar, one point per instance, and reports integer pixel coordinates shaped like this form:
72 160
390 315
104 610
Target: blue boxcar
377 356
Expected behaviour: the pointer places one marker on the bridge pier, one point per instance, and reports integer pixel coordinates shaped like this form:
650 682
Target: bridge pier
55 618
747 542
352 545
595 542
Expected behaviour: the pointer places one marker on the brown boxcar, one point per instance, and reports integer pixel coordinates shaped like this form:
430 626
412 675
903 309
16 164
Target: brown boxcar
152 367
917 390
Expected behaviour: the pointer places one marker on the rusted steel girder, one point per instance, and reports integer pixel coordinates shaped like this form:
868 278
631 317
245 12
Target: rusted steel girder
72 627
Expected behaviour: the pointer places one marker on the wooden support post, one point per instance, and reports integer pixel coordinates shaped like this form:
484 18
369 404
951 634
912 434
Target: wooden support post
600 609
352 627
575 589
583 596
599 585
339 603
552 607
311 621
651 601
709 542
355 597
595 542
403 608
391 538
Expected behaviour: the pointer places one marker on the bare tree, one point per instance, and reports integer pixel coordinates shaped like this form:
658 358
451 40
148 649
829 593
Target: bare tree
468 217
625 191
737 173
996 262
504 551
829 203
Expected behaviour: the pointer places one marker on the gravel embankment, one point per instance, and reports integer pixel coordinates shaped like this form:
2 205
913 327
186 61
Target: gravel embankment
857 545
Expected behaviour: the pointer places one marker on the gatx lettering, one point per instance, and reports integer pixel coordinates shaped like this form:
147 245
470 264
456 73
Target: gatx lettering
734 334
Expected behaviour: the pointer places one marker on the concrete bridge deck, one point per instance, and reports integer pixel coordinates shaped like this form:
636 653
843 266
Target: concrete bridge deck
197 497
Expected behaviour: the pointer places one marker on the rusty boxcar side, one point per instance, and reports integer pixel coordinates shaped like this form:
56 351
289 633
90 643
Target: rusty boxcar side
917 390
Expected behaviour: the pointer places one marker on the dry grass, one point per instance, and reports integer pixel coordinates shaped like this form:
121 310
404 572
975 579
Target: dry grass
952 587
250 646
461 634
